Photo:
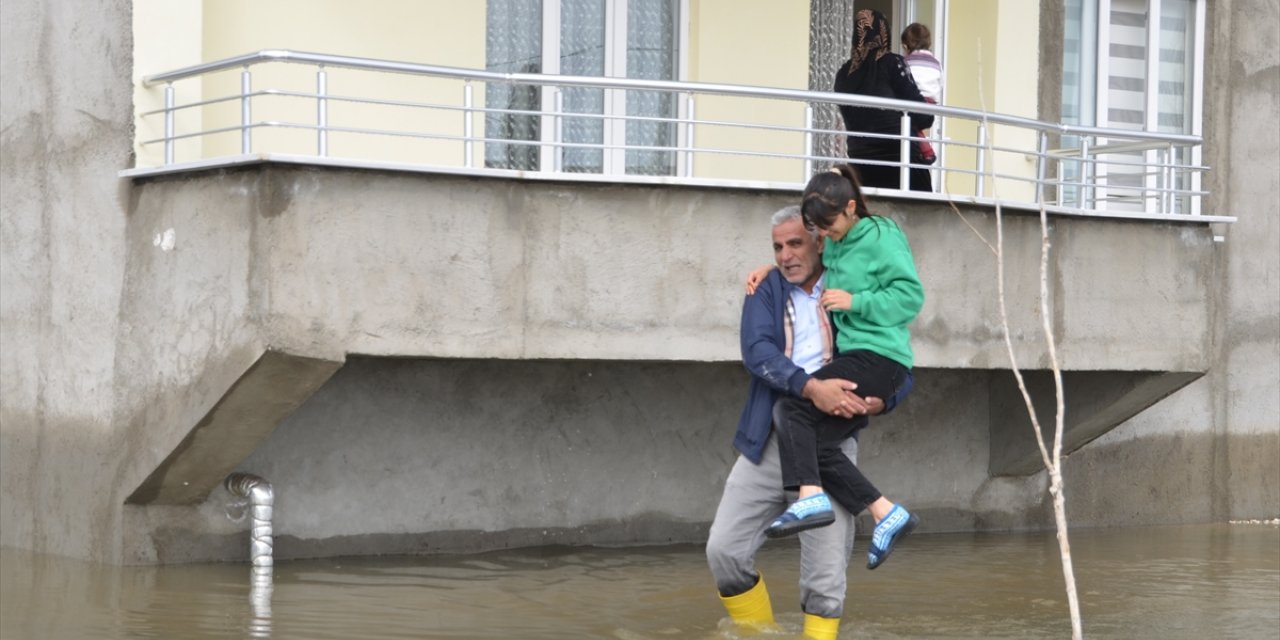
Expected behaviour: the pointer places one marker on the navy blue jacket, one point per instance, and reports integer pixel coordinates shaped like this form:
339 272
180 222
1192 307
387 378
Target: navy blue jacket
764 355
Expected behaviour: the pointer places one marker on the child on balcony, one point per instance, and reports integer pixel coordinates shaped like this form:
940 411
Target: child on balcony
927 72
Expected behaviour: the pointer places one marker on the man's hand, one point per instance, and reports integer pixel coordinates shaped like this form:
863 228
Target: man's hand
835 397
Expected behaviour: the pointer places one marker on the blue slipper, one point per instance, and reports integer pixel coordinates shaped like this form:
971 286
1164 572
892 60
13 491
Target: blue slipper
810 513
895 526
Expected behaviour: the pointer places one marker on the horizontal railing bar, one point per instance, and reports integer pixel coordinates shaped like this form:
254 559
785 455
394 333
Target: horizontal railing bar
941 143
315 96
569 145
716 151
1121 147
456 138
677 121
450 107
203 103
391 66
1047 155
1172 190
566 145
197 134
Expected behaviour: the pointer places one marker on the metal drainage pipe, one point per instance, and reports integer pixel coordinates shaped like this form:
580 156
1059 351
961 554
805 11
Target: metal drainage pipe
261 500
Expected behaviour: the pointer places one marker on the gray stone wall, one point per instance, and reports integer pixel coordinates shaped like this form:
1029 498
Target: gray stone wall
65 129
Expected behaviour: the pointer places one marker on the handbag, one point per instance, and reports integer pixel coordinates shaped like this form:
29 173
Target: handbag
924 153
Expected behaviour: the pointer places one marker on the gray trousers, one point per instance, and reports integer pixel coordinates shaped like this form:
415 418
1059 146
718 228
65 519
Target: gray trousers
753 497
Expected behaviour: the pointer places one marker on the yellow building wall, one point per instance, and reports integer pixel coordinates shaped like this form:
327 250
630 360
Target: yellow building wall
993 63
439 32
762 43
167 36
991 60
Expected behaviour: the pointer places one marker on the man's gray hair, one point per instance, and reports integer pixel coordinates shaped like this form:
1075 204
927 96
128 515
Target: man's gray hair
787 214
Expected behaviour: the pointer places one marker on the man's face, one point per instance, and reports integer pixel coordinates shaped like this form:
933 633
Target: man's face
798 254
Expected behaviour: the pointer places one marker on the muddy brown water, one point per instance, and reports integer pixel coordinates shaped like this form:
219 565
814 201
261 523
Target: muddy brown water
1202 581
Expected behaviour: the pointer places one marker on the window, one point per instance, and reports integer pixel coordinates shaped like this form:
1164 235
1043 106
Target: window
617 38
513 44
1132 64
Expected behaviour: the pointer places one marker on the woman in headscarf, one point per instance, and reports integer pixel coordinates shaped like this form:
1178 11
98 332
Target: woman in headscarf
874 70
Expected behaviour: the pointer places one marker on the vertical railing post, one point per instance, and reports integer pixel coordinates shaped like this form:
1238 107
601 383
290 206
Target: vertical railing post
1162 180
467 124
246 85
322 113
168 123
558 116
808 143
1060 194
1087 193
980 182
904 171
1041 161
1195 175
1148 188
688 138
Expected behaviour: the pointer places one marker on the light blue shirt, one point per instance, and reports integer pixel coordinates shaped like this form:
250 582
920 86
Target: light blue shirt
806 327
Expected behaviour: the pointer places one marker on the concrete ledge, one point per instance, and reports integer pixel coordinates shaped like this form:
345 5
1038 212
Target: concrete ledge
1096 401
267 393
338 262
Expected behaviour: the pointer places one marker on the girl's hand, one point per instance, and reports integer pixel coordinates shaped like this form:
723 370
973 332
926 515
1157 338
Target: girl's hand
836 300
756 277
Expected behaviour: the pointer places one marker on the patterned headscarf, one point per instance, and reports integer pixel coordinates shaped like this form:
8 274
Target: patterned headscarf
871 39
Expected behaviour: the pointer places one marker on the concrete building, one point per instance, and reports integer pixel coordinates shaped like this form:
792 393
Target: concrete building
424 354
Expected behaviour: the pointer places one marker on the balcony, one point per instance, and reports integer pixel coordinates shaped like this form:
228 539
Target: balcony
308 108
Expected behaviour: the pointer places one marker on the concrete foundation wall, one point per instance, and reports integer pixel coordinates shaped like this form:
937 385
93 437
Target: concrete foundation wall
1246 88
114 341
421 455
65 132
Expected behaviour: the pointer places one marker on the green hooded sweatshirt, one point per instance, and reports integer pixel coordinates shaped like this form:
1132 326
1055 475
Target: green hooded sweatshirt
873 262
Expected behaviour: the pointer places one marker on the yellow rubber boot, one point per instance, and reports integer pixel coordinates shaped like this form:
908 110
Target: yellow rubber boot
819 628
751 609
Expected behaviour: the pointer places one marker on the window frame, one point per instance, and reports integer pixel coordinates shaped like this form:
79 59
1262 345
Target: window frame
1151 87
614 161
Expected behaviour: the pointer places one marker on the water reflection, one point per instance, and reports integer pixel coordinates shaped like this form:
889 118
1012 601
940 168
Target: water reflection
260 588
1171 582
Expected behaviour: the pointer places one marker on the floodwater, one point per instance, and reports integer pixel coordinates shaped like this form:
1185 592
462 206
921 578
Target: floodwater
1204 581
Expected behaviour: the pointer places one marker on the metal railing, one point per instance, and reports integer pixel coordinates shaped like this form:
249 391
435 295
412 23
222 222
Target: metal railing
983 156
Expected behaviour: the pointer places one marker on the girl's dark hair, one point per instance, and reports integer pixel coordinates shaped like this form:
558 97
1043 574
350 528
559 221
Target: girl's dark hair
916 37
828 193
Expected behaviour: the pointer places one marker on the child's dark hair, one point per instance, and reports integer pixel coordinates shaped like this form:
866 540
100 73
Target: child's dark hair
916 37
828 193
